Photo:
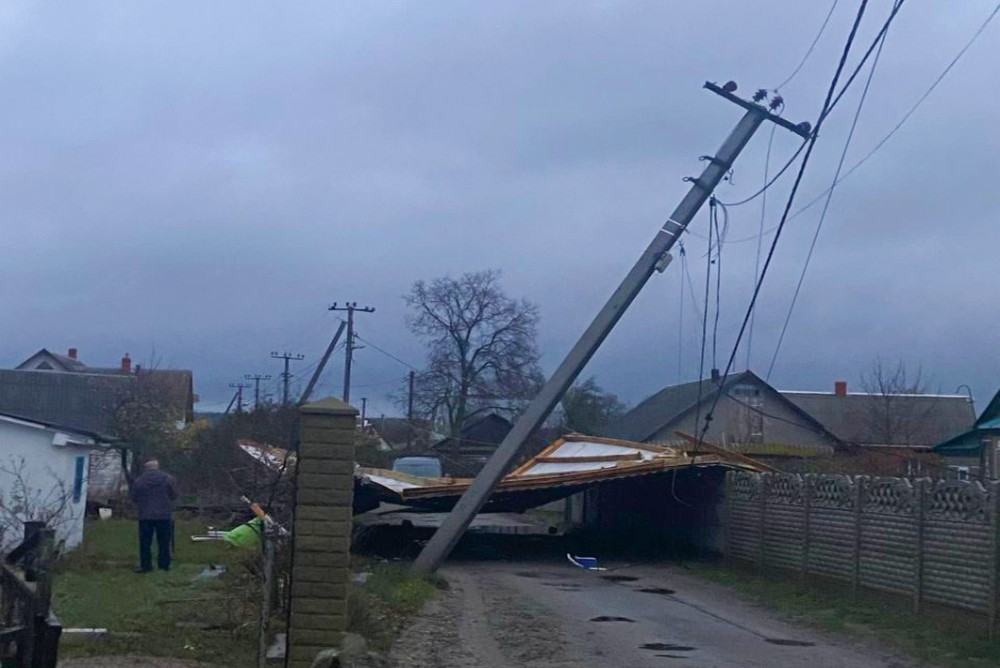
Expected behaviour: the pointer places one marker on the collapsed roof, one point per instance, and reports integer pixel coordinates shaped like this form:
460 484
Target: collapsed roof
565 467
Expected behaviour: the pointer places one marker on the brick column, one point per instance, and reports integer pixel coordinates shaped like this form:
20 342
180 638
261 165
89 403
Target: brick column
321 530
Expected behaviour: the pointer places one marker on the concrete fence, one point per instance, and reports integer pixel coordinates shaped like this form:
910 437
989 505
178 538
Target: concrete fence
936 541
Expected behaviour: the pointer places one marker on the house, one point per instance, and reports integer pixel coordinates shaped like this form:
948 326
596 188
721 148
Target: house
63 390
975 453
901 425
43 476
397 434
463 456
750 417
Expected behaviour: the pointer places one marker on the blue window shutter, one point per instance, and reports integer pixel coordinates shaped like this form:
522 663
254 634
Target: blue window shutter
81 462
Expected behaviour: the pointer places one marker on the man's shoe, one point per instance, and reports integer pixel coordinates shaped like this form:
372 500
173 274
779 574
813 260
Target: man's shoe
143 570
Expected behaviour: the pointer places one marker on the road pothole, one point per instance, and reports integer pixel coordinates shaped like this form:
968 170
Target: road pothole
611 618
789 643
619 578
657 590
666 647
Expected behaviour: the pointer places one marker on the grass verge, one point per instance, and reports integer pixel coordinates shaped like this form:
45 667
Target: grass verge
944 637
173 614
390 595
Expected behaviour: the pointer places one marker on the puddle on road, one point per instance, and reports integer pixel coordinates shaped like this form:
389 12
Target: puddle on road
789 643
619 578
611 618
666 647
657 590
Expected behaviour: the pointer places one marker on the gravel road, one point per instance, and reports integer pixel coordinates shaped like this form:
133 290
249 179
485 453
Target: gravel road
498 615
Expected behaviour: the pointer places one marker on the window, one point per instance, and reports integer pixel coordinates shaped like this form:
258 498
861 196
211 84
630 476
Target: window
81 464
961 472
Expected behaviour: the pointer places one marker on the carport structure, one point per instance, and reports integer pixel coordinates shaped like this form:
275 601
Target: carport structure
569 465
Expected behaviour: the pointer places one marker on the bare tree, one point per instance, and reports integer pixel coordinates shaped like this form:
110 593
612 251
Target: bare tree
481 347
893 418
26 500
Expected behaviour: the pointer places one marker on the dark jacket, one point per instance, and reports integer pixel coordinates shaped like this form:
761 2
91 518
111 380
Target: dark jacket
154 492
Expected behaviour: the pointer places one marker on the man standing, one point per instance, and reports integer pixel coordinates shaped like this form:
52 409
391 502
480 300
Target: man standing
154 492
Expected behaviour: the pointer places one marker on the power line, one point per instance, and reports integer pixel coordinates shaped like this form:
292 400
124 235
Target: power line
788 205
810 49
829 197
979 31
714 213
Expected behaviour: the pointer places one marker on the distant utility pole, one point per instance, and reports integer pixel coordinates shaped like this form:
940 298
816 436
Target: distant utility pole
285 376
350 307
256 378
322 364
364 409
656 257
239 395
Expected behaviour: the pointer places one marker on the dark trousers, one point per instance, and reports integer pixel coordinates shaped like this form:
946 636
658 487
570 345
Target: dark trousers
162 529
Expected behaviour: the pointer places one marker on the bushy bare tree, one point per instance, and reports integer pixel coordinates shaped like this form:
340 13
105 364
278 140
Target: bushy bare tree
481 347
24 499
891 419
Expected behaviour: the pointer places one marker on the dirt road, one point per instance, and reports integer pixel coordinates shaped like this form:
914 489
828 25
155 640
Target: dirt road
498 615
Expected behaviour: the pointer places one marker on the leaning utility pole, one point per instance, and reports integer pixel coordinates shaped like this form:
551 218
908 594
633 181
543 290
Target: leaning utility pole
285 376
239 395
256 378
655 257
322 364
409 411
350 307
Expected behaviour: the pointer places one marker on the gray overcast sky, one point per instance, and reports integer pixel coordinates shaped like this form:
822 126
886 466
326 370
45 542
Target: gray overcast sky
203 179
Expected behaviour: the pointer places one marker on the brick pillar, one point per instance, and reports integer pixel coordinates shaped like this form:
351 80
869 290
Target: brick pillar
321 530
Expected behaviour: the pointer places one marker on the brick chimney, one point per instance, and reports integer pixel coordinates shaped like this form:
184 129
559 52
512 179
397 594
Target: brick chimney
840 388
72 353
126 364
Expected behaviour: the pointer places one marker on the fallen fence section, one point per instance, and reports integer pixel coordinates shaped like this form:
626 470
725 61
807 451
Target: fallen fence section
936 541
29 632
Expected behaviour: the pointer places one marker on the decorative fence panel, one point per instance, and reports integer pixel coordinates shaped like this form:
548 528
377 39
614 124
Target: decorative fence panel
935 541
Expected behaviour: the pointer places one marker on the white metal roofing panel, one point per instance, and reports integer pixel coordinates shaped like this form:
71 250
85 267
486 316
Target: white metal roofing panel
390 483
590 449
568 467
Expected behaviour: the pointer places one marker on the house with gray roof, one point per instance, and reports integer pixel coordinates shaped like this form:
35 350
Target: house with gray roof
61 389
749 416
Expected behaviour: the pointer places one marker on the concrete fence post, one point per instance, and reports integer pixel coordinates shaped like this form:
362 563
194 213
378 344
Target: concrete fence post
807 494
727 520
993 488
762 491
919 492
321 534
859 504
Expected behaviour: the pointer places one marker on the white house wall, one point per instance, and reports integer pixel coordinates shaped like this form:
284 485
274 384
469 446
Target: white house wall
44 465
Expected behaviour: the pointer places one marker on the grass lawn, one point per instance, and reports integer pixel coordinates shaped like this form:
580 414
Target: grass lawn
941 637
161 613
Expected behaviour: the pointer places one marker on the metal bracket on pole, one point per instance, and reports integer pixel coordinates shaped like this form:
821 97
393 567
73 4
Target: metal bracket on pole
455 524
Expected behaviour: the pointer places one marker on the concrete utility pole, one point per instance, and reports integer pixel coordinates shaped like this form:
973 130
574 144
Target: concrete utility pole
655 257
364 409
239 395
285 376
350 307
322 365
256 378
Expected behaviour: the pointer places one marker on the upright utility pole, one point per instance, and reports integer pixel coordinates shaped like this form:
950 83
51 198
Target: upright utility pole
322 364
256 378
239 395
364 410
655 257
285 376
350 307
